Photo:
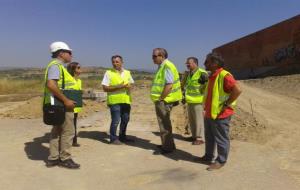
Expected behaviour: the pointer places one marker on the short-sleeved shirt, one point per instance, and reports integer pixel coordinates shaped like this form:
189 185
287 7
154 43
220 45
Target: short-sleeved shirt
106 79
54 72
229 83
169 78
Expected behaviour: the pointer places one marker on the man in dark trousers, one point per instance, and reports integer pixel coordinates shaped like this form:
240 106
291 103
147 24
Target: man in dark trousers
219 101
117 82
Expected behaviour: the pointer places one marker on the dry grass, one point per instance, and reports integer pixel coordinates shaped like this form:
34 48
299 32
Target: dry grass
20 86
34 86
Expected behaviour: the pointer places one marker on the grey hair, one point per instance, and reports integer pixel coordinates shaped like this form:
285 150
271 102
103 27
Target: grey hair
217 58
162 51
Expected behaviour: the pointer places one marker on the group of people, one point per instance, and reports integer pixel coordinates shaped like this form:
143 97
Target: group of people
210 95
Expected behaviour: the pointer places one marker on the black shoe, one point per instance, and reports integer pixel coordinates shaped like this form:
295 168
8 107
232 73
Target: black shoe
52 163
158 146
70 164
162 151
189 139
76 144
126 140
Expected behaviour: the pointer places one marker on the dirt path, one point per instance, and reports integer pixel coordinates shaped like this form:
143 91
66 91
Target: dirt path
282 116
24 148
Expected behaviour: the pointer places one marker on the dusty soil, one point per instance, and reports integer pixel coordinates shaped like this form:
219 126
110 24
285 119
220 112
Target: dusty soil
32 108
264 154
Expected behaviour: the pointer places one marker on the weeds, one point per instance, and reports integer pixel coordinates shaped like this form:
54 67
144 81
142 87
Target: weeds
19 86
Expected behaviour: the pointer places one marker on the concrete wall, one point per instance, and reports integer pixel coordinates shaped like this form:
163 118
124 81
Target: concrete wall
271 51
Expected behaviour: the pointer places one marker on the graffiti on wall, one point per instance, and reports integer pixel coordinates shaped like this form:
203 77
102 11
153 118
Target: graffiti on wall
289 52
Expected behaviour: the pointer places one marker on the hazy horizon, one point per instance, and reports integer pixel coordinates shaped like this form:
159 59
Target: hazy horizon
7 68
96 30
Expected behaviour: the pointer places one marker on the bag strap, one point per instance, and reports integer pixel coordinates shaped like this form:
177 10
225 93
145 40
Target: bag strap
63 80
62 85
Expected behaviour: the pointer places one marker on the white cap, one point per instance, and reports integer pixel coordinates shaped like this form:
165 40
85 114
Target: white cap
55 46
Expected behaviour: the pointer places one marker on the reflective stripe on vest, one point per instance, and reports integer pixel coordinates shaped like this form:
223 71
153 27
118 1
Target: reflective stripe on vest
77 109
122 95
70 82
192 91
219 96
159 83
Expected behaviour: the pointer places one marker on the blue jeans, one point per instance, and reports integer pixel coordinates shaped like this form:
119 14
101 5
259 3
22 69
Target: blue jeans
119 112
217 133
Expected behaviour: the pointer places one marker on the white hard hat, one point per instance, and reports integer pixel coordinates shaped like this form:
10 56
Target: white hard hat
55 46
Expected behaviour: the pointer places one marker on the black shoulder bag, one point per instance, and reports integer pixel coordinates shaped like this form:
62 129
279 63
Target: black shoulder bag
54 114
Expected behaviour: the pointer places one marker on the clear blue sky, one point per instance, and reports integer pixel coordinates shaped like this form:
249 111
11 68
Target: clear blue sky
98 29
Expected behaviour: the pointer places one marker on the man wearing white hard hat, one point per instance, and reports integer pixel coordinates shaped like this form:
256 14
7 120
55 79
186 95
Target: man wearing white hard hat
56 79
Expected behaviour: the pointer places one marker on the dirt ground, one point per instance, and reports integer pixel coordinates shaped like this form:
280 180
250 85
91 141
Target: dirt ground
264 154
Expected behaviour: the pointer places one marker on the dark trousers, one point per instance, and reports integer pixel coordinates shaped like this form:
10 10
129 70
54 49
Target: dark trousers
217 134
119 112
163 113
75 127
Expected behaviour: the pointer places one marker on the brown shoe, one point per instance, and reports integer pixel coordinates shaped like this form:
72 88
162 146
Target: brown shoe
197 142
204 160
215 166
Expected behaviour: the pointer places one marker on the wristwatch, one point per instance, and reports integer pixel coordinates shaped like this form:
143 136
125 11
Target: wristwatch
226 104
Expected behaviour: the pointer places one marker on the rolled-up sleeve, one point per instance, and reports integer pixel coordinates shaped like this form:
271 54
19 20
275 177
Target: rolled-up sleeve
131 81
229 83
105 80
169 78
53 72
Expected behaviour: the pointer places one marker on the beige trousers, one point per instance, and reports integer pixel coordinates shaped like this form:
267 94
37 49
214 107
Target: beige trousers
196 122
61 139
163 113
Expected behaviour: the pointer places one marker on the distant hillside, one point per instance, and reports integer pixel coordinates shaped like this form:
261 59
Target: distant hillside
87 73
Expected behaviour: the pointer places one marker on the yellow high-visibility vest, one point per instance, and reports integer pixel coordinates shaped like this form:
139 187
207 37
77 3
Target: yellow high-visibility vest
159 83
193 95
219 96
70 82
78 87
121 96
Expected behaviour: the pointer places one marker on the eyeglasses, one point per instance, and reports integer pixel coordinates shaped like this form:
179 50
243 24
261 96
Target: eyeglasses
69 52
116 62
155 56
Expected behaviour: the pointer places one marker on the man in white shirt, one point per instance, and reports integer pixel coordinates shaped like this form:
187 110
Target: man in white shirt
117 83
